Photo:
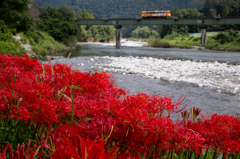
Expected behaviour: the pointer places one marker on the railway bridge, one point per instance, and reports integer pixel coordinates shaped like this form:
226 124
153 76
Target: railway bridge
203 22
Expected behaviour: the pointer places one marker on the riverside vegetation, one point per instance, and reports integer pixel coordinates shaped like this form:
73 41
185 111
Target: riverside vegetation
16 19
224 41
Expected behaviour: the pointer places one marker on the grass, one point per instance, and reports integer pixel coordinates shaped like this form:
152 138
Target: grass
9 45
188 42
42 43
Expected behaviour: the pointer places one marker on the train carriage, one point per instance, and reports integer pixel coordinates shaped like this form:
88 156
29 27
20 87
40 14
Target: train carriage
156 14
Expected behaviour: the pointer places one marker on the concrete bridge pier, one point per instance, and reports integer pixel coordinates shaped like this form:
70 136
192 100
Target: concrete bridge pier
204 35
118 36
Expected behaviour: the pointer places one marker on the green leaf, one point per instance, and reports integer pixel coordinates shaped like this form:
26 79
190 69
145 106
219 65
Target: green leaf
67 97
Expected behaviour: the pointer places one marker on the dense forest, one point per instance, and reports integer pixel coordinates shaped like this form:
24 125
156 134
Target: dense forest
45 29
120 9
58 22
133 8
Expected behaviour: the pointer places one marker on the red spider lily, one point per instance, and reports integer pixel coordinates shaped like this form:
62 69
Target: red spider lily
105 117
78 149
188 139
185 115
195 112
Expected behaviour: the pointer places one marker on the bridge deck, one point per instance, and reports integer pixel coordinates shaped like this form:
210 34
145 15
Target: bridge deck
170 21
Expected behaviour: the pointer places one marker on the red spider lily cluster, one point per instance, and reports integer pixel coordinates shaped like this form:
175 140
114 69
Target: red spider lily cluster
83 115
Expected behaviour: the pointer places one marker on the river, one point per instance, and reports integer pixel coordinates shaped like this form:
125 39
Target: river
210 79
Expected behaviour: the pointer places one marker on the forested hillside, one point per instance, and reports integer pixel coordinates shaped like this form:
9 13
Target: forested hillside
120 9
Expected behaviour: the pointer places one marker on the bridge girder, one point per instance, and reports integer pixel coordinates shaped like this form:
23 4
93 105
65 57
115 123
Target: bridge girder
171 21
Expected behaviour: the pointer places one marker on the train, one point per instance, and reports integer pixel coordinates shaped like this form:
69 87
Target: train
156 14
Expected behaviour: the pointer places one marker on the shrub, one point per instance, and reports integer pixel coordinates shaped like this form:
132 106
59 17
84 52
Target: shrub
238 40
196 39
226 37
190 38
166 45
159 43
172 36
183 39
39 50
155 43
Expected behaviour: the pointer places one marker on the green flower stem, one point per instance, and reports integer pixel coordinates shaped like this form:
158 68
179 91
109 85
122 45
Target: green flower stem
35 132
155 151
190 154
9 108
171 154
215 154
72 115
205 154
66 62
186 154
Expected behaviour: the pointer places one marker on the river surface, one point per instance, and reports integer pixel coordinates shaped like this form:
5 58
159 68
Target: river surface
210 79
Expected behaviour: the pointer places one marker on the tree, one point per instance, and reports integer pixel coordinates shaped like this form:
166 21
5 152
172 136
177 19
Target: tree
67 12
180 29
34 11
213 12
144 32
58 23
221 7
15 16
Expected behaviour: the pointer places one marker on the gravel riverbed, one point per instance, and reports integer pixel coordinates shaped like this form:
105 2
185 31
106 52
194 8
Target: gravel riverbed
221 76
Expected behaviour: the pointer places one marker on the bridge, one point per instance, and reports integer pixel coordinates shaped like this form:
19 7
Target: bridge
203 22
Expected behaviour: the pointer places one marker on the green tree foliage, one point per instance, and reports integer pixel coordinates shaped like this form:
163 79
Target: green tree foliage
220 7
84 15
180 29
227 36
120 9
58 22
144 32
15 16
67 12
212 8
186 13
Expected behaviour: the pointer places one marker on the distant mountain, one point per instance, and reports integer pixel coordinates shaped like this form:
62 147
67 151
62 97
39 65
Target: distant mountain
120 8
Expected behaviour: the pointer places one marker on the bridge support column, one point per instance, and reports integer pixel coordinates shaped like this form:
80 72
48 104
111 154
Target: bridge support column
204 35
118 36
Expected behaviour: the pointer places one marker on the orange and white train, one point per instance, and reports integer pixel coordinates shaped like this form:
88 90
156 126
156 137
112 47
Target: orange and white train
156 14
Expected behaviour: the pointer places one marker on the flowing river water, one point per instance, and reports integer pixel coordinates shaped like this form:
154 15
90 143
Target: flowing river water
210 79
